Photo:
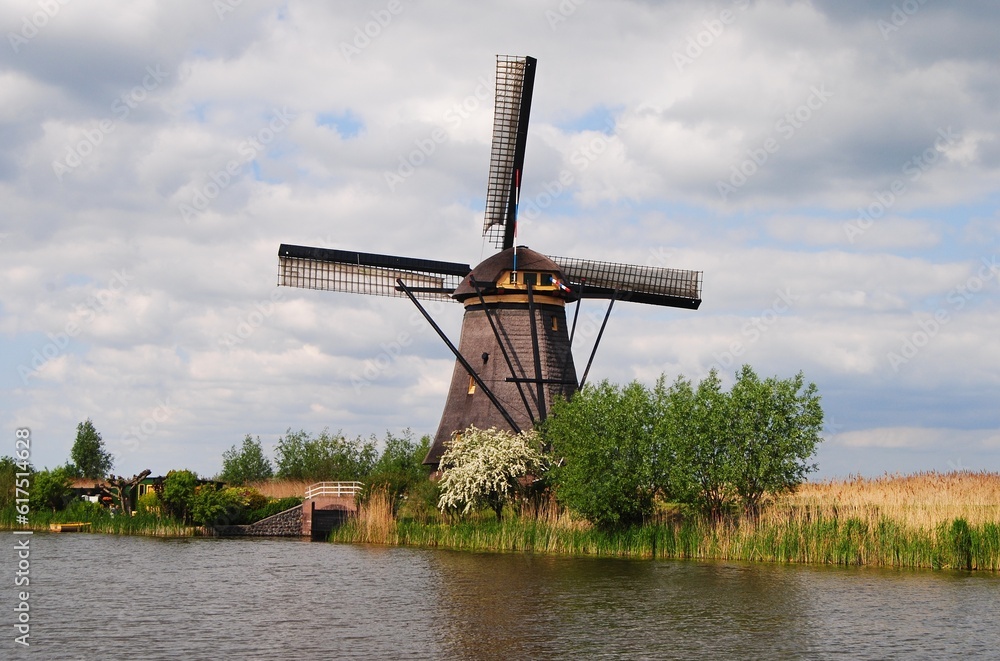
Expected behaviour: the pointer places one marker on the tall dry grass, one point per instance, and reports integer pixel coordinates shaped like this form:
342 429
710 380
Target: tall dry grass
375 522
922 501
282 488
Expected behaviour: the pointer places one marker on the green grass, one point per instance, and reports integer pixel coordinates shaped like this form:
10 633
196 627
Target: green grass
825 541
100 521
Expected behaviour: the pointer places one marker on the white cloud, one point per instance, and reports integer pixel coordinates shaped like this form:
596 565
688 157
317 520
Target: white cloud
921 438
153 356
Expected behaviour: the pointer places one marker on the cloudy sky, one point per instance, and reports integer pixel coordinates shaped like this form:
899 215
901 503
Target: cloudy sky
831 166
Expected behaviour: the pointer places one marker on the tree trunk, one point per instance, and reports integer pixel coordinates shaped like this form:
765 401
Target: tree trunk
124 486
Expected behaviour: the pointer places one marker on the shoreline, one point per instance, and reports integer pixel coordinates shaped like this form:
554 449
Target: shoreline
923 520
956 546
821 542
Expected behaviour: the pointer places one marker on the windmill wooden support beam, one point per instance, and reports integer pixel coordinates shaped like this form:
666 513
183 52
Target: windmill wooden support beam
597 341
461 359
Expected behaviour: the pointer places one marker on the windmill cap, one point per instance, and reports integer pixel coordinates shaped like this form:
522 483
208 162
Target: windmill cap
490 270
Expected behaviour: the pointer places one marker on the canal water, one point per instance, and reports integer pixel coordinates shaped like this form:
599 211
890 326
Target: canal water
102 597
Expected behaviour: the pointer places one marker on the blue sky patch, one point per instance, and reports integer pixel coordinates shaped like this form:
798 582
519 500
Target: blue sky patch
598 118
347 124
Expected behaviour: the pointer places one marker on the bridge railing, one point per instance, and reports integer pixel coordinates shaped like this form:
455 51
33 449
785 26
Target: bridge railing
336 489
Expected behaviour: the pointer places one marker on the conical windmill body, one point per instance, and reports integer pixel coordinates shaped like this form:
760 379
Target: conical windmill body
514 357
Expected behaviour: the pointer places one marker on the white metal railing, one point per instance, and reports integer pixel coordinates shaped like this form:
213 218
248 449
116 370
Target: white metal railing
337 489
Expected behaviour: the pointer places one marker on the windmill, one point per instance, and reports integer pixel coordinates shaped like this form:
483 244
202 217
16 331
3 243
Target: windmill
515 353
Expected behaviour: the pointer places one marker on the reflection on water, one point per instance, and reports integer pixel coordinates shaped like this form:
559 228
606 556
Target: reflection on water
274 599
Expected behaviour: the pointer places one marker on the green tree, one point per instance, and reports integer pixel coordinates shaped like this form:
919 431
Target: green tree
88 455
245 464
123 489
737 448
619 448
774 429
177 493
694 422
605 444
485 467
399 467
327 457
9 469
50 489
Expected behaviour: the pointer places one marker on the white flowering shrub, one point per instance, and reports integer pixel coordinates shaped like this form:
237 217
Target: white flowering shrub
484 466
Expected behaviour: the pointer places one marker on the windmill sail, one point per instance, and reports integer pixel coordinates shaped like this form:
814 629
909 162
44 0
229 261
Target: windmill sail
515 81
640 284
367 273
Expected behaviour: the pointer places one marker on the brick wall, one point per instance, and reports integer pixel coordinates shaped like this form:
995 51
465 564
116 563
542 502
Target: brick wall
282 524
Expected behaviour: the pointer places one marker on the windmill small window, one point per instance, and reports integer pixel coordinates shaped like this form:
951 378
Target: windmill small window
472 386
513 277
555 323
530 278
547 279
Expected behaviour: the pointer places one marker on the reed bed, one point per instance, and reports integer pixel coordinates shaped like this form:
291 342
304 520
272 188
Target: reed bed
928 520
921 500
375 522
140 524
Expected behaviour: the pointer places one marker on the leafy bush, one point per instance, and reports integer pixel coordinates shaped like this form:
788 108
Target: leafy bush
211 506
248 498
177 493
484 467
693 422
399 468
150 503
50 489
420 501
328 457
773 429
83 510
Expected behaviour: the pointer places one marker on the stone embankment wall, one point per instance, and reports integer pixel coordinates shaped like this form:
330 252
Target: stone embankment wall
282 524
